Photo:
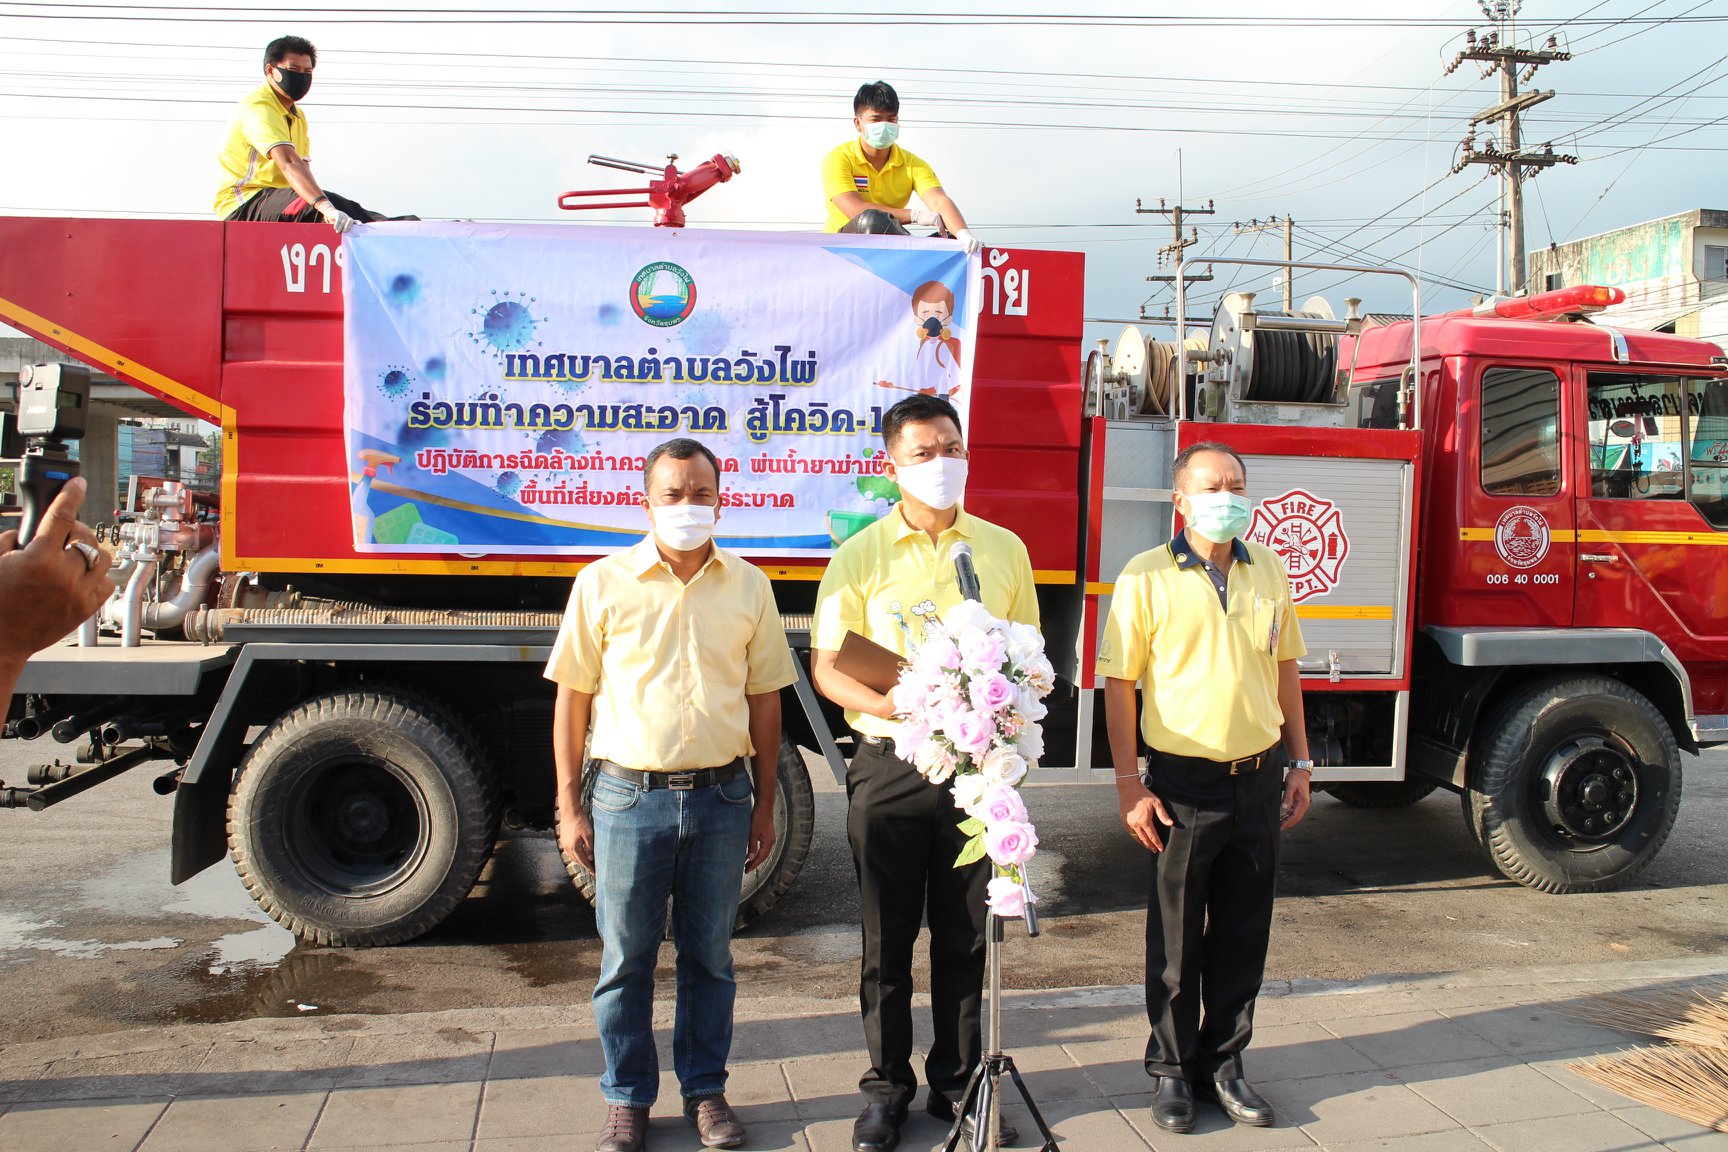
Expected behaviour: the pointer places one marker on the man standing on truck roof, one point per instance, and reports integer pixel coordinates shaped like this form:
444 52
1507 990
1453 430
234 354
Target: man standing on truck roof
266 174
869 181
674 651
903 829
1206 624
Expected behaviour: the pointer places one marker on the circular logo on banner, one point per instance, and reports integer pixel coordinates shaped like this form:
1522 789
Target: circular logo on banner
663 294
1308 535
1521 537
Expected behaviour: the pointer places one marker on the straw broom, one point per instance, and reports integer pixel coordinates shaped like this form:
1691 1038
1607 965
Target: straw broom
1685 1015
1691 1083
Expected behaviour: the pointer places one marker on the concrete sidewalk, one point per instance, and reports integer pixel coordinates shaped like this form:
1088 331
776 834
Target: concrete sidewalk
1434 1064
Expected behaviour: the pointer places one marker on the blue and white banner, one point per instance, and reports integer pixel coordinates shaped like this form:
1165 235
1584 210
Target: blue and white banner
504 383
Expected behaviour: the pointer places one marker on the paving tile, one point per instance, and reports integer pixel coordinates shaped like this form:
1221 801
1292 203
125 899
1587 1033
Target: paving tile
236 1123
1081 1126
1358 1106
826 1086
66 1127
1404 1038
275 1065
533 1144
1213 1131
1474 1093
546 1052
402 1114
1554 1068
1591 1132
1299 1009
449 1055
1673 1131
151 1072
1114 1067
547 1105
1454 1141
1299 1051
1528 1030
759 1093
919 1134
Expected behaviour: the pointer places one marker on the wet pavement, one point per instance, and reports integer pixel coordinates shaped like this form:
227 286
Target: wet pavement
94 939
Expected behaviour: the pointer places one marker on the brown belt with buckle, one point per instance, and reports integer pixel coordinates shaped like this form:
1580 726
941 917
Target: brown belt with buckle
682 781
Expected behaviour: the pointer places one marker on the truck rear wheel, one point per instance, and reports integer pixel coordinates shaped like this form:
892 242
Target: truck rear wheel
362 817
1381 793
1577 787
794 826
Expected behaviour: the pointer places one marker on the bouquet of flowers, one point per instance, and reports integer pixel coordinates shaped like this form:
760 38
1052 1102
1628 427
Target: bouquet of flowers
970 701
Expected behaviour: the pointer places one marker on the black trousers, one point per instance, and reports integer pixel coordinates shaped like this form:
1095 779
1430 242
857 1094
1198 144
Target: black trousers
905 837
285 204
1209 918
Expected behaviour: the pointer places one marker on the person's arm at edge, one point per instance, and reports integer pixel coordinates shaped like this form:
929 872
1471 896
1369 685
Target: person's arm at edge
943 205
570 713
850 694
1294 733
764 770
1140 809
298 172
851 204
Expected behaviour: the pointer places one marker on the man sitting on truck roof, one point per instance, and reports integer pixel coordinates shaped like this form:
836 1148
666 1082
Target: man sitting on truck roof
265 173
869 181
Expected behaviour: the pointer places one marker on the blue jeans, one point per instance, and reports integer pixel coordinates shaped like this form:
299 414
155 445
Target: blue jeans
650 846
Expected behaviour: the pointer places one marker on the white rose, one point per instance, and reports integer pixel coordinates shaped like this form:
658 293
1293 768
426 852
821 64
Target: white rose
1030 707
969 790
1030 743
964 615
1003 766
1024 642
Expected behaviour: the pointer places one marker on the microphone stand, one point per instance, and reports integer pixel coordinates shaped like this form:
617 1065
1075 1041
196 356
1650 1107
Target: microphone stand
983 1096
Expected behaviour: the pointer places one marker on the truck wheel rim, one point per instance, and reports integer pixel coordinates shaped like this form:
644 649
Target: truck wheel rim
357 828
1589 790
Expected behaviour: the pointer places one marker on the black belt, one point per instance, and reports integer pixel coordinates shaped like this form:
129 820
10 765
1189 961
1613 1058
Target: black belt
1240 767
682 781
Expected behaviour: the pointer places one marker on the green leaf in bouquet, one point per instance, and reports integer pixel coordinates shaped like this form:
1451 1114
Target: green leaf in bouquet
972 826
972 852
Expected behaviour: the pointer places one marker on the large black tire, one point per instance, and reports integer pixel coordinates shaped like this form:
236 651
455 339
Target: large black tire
1381 793
1576 785
362 817
794 826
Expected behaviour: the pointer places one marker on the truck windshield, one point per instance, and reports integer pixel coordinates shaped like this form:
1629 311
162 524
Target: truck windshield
1660 437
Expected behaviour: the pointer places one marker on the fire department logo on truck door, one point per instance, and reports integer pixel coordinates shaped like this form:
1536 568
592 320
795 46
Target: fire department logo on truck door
1521 537
1308 535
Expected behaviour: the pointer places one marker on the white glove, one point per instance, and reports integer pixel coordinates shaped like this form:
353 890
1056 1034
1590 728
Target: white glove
334 216
924 218
972 242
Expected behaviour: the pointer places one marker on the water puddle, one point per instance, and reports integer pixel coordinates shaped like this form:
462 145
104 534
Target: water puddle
21 935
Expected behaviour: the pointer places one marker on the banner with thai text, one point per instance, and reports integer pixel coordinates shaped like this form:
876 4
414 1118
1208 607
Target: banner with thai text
504 383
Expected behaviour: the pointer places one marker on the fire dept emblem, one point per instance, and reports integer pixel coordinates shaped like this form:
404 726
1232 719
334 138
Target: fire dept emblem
1308 535
1521 537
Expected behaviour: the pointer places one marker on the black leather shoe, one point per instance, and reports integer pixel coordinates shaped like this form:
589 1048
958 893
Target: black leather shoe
942 1108
1173 1106
1241 1103
877 1129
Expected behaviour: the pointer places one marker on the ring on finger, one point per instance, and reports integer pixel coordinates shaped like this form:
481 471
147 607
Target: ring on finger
92 554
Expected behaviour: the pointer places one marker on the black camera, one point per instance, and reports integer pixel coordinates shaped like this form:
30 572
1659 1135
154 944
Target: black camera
53 403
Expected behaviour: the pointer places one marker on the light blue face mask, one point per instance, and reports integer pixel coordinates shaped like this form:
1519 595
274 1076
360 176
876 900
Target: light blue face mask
881 134
1218 516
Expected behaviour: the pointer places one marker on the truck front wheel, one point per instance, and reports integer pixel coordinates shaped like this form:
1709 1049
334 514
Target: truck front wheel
1577 785
362 817
794 827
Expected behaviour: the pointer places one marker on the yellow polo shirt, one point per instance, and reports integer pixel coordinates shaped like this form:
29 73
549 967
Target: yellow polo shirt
259 124
668 663
878 576
1210 674
846 170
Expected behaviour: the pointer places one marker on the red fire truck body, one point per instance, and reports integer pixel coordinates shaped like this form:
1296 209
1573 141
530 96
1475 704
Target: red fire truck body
1462 629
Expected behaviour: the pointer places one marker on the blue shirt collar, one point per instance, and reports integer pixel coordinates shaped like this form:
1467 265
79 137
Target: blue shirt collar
1186 557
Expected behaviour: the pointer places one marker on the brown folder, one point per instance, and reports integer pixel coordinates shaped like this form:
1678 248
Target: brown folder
868 662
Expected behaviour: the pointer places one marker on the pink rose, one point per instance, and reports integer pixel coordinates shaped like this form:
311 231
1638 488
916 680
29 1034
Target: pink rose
910 738
971 733
1011 843
1008 898
939 652
1001 804
982 650
992 693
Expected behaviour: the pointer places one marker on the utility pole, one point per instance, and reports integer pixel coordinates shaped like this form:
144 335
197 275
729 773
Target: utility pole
1170 255
1257 225
1500 52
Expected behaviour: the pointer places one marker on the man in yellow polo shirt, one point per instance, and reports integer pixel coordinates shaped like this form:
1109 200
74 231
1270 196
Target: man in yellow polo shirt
674 653
265 158
868 182
1206 625
903 829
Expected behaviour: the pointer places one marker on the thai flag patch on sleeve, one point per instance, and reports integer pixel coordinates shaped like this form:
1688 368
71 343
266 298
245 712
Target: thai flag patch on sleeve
862 183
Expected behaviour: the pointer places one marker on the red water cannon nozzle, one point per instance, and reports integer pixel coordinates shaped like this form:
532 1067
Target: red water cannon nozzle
667 195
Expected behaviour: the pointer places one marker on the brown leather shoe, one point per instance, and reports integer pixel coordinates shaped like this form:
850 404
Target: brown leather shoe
715 1122
626 1129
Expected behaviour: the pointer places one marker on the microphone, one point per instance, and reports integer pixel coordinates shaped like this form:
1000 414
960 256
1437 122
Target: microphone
965 575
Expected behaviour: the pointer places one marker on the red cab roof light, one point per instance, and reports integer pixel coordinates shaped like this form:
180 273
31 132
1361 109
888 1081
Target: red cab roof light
1560 302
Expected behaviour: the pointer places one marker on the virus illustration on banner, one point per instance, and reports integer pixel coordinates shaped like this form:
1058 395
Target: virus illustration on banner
506 326
395 381
1308 535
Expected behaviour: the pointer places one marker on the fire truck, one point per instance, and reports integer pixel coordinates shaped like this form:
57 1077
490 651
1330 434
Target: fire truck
1503 528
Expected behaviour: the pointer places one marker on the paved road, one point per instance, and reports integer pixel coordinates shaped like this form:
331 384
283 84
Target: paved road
94 939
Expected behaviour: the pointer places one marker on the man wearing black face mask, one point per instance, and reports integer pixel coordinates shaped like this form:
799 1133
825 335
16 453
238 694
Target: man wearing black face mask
265 174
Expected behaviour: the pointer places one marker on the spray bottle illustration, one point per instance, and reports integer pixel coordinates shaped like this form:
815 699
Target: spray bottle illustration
361 504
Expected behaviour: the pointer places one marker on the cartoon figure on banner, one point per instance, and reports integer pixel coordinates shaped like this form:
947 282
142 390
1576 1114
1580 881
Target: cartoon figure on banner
935 367
1308 535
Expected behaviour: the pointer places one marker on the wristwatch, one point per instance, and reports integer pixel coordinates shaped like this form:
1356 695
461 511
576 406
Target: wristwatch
1302 766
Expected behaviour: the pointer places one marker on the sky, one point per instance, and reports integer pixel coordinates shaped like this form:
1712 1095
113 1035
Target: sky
1045 122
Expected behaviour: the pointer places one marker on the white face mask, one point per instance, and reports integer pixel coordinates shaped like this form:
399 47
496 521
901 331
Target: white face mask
683 527
938 483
